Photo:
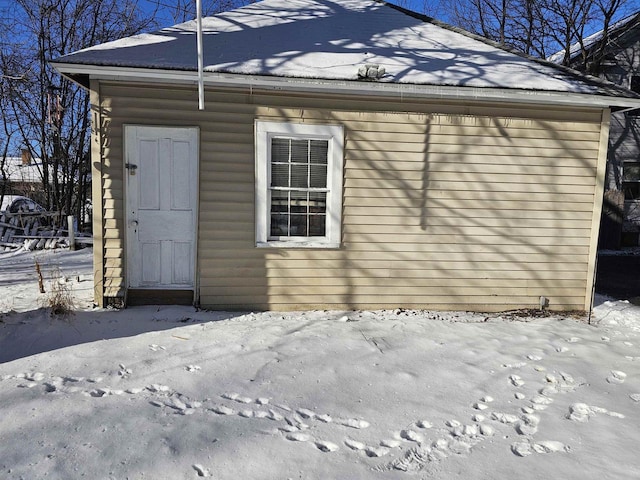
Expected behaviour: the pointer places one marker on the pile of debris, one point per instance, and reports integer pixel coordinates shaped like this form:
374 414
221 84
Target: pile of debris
32 231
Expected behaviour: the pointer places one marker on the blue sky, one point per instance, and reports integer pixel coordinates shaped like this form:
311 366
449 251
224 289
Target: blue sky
436 8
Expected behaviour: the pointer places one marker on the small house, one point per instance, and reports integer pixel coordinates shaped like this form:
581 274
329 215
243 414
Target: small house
351 155
614 56
21 175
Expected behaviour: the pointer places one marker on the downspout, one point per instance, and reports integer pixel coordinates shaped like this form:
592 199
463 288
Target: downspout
597 209
593 289
200 55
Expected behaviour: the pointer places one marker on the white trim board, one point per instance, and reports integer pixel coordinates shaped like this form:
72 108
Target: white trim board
383 89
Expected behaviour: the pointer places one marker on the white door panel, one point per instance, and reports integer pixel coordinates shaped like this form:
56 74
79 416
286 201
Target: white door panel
162 189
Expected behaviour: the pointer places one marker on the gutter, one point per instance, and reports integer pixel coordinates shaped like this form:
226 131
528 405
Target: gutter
82 73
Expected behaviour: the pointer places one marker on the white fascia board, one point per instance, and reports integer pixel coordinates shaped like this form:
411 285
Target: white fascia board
383 89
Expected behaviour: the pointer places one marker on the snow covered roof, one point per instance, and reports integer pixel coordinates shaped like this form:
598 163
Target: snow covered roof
17 171
330 40
592 40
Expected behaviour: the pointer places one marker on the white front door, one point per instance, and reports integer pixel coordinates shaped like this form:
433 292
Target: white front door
161 170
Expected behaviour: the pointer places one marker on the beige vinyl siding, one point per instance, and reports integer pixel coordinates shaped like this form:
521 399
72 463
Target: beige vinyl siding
445 206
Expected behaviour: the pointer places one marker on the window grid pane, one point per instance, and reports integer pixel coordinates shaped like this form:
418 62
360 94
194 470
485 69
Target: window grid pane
298 187
631 180
631 172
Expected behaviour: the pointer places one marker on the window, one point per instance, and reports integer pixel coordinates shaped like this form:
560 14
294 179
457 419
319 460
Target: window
298 184
634 85
631 180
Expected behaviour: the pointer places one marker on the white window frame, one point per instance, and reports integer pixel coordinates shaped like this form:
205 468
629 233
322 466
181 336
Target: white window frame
334 134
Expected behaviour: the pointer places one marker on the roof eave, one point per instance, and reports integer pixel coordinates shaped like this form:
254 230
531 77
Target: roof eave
81 74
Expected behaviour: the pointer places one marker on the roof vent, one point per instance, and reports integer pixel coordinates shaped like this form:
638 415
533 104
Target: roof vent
371 71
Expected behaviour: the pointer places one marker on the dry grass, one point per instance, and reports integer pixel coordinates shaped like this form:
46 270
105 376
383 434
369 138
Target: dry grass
59 300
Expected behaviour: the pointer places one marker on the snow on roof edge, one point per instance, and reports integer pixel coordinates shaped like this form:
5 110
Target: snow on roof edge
594 38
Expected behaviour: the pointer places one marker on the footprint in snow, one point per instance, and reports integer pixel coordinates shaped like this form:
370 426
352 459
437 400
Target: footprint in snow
523 449
505 418
514 365
124 372
353 423
377 452
298 437
289 429
325 446
104 392
236 398
412 436
390 443
296 421
306 413
222 410
424 424
156 388
275 416
463 438
616 376
581 412
354 444
201 471
540 402
528 425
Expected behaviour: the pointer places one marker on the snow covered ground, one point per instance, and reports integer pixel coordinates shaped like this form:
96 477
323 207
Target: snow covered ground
175 393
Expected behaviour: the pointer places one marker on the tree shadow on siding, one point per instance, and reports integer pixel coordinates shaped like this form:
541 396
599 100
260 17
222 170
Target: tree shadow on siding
459 229
520 252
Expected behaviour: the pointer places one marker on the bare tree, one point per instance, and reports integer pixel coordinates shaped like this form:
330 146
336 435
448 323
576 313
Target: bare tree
49 112
567 20
432 8
528 31
488 18
606 10
176 11
542 27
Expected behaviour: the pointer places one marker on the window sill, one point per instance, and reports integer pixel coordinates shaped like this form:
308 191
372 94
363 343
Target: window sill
284 244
